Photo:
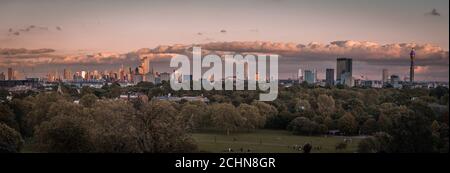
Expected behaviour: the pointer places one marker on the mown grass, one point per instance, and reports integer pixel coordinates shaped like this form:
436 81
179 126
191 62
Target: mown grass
270 141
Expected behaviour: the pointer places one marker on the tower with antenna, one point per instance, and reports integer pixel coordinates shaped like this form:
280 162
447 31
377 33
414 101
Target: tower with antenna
412 56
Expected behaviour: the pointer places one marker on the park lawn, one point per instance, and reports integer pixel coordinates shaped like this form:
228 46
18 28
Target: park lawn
269 141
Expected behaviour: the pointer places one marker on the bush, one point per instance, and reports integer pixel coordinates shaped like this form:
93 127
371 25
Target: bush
378 143
341 146
304 126
63 134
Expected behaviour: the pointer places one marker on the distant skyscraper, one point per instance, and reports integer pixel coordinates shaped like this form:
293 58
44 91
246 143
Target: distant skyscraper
412 56
10 74
67 75
395 81
300 76
84 75
385 76
344 73
2 76
146 66
329 76
310 76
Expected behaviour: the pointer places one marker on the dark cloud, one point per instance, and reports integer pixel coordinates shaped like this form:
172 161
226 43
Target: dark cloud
434 12
45 58
29 28
58 28
223 31
24 51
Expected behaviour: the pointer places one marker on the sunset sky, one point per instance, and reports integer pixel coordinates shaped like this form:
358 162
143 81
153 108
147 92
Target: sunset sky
74 27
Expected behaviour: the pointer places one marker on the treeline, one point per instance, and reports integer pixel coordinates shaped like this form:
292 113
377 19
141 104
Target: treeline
51 122
407 120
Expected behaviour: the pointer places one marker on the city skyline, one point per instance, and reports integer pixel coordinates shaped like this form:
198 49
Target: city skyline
104 35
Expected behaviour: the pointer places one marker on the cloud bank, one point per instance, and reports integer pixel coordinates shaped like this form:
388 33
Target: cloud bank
430 59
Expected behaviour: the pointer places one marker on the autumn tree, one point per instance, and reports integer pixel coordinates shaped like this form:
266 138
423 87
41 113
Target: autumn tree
226 117
251 117
348 124
113 127
195 115
325 105
88 100
160 129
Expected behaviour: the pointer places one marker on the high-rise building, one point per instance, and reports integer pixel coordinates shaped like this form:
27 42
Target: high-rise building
329 76
300 76
395 81
412 56
10 74
67 74
146 66
385 76
310 76
344 71
84 75
2 76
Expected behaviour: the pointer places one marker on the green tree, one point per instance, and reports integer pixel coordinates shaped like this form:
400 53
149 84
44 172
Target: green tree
411 132
7 117
369 127
304 126
10 140
378 143
63 134
113 127
41 104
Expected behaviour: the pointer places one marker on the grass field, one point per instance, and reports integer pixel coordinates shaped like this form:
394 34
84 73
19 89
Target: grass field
270 141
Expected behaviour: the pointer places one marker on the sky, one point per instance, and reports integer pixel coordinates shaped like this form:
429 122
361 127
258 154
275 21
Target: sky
89 26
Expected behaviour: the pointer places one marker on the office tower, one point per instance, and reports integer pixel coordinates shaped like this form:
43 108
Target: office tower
10 74
2 76
385 76
412 56
310 77
344 71
67 75
17 75
300 76
329 76
121 74
395 81
83 74
146 66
